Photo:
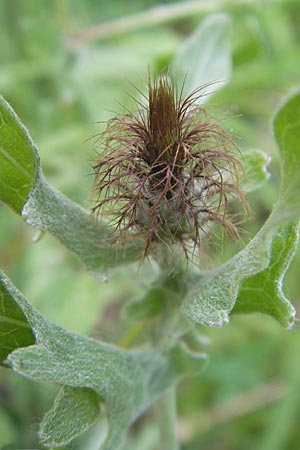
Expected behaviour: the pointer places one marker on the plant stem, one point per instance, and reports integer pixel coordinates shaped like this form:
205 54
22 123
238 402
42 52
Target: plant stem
167 420
151 17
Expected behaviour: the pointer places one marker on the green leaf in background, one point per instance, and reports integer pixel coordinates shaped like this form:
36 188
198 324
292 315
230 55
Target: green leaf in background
255 172
170 286
287 134
205 57
150 305
211 300
7 428
127 381
18 159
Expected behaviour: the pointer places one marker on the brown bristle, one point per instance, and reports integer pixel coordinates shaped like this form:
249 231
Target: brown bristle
168 171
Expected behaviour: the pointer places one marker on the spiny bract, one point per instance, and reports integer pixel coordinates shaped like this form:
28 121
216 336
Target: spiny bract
166 172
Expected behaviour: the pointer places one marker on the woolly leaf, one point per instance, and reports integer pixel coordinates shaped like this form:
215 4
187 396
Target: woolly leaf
213 297
127 381
205 57
49 210
23 187
74 411
263 292
18 159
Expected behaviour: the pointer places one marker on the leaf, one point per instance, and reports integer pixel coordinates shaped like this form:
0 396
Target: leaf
212 298
150 305
255 174
8 427
15 330
73 412
205 57
287 134
127 381
263 292
24 188
18 159
170 286
49 210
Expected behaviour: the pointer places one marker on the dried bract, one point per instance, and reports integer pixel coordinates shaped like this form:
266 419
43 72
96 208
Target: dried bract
167 172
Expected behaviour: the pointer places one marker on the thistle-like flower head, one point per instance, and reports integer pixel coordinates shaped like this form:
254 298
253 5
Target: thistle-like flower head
166 172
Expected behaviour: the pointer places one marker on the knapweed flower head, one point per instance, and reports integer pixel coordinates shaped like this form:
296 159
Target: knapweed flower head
166 172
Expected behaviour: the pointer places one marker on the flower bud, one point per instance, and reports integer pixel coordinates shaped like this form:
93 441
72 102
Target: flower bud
166 173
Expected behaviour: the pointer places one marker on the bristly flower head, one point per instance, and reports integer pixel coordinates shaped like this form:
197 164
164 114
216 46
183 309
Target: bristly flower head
166 172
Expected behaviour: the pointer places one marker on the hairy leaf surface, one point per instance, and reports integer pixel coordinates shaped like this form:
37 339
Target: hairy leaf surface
24 188
49 210
127 381
211 300
264 292
74 411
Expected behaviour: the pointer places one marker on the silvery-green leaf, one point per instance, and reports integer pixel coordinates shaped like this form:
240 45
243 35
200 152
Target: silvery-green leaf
264 292
47 209
24 188
74 411
212 298
128 382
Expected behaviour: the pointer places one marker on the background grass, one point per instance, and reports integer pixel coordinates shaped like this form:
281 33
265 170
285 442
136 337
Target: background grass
62 87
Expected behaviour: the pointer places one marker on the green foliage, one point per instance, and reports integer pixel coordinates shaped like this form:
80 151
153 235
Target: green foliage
48 210
15 331
128 381
74 411
211 300
287 134
105 381
137 378
263 292
255 172
24 188
205 57
6 428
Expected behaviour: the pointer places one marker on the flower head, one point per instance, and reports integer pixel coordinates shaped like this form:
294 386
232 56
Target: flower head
166 173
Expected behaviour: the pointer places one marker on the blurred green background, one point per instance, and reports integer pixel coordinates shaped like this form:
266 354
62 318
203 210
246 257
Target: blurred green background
62 87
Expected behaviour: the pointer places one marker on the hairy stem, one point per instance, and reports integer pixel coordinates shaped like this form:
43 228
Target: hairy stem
167 420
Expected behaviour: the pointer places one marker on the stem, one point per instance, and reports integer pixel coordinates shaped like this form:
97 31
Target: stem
166 410
151 17
239 406
167 420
